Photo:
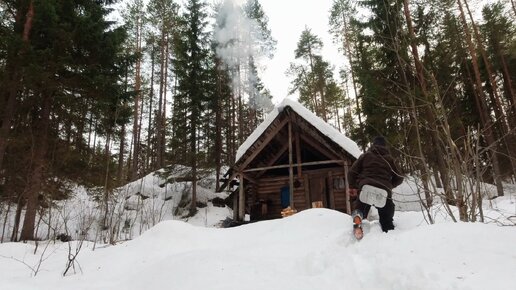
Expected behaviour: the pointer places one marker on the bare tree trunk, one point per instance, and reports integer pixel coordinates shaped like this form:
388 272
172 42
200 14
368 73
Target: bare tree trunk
478 177
509 90
232 135
159 120
336 112
508 84
193 163
347 48
150 155
13 76
490 74
107 188
218 126
120 169
122 139
79 142
438 182
6 217
164 114
94 136
90 123
240 108
17 218
428 113
137 88
496 102
482 106
35 182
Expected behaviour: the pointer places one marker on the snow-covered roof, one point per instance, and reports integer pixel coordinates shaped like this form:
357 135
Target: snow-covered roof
347 144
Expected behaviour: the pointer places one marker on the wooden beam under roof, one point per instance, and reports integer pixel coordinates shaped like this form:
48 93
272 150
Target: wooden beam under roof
298 154
304 125
290 161
339 161
262 145
327 153
241 198
278 154
253 180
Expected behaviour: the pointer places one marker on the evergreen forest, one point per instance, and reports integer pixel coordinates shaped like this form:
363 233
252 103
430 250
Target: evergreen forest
101 93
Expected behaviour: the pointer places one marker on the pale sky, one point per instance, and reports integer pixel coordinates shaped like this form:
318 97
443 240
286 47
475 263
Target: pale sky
287 19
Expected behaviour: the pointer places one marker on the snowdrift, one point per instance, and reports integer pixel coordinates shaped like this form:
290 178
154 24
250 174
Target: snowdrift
312 249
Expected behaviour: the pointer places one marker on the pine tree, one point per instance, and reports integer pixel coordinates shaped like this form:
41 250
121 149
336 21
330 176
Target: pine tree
15 48
162 16
500 35
262 44
389 51
70 58
192 53
309 75
483 110
342 15
135 23
243 39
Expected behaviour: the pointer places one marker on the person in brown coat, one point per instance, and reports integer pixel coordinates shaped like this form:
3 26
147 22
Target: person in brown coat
375 167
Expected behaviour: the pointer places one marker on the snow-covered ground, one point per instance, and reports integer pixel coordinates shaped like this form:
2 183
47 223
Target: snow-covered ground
312 249
159 248
134 208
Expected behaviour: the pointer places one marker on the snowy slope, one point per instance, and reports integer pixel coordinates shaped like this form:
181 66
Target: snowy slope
310 250
136 207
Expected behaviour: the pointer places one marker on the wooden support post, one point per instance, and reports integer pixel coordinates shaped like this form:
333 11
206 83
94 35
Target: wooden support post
298 155
290 162
235 206
330 190
348 203
241 198
307 191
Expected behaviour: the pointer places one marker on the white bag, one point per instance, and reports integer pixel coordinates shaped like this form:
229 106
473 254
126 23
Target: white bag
373 195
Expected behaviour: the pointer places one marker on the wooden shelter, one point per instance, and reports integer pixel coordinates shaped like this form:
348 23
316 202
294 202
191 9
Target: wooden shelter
293 159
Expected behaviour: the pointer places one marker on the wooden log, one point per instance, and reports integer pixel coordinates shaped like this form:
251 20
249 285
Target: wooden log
288 211
329 153
348 202
235 206
269 136
274 158
290 161
268 179
307 190
330 190
298 155
241 197
296 164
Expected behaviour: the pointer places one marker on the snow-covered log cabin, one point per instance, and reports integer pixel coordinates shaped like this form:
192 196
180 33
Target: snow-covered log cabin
293 159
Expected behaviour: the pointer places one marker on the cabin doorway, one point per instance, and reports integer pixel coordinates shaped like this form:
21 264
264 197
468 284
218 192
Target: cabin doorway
318 191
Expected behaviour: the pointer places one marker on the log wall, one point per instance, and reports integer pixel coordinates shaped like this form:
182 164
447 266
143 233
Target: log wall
268 191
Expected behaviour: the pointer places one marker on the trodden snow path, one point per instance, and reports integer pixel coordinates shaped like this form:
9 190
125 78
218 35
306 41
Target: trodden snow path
312 249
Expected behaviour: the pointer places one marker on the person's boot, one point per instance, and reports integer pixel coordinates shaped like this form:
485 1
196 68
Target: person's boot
358 232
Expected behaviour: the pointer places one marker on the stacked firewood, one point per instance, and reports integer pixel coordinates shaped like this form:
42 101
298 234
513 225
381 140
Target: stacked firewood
288 211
